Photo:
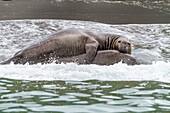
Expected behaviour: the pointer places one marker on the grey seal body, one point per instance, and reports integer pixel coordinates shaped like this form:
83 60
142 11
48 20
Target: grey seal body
104 57
71 42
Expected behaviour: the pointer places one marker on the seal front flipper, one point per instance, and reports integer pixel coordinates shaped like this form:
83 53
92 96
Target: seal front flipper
91 47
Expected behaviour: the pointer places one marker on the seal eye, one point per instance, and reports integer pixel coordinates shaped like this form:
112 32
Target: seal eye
119 41
128 44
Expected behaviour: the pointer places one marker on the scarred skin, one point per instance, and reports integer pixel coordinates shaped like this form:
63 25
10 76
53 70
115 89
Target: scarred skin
71 42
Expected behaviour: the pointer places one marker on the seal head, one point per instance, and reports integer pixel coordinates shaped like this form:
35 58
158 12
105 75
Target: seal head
117 42
123 45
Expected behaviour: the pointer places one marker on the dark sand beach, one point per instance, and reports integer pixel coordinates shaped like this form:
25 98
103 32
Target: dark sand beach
113 13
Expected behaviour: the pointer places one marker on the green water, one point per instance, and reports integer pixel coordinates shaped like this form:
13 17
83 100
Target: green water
83 97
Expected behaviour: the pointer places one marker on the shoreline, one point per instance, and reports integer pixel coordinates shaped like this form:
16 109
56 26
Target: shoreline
109 13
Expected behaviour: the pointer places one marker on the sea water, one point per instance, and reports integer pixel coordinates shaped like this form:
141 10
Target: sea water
86 88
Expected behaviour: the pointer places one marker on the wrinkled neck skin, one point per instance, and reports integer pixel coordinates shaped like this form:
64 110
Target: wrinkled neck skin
110 40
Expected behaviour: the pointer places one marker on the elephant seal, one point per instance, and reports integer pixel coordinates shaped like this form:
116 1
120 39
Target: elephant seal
104 57
71 42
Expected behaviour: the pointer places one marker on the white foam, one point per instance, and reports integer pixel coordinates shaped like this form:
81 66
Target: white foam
158 71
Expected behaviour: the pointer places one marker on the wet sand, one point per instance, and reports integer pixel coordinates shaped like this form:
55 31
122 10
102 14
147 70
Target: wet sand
113 13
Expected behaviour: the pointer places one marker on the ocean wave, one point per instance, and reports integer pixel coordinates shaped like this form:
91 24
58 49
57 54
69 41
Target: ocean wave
157 71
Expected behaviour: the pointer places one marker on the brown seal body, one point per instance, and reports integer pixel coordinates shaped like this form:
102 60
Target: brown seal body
71 42
104 57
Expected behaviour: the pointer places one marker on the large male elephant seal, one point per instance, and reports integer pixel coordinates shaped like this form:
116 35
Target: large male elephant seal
71 42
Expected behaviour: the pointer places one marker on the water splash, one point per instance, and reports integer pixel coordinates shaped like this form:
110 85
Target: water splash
158 71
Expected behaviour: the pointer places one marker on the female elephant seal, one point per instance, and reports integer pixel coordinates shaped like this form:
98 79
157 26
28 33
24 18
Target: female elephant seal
104 57
71 42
